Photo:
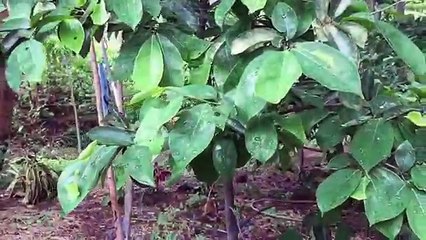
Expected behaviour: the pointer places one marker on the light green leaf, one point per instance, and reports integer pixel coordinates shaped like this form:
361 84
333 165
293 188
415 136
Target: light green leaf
100 15
328 66
344 43
337 188
416 213
360 192
418 176
341 7
225 157
251 38
15 24
405 156
261 138
111 136
149 66
330 132
222 9
387 196
137 162
71 34
129 11
357 32
173 64
417 118
372 143
390 228
20 8
254 5
273 86
284 19
321 9
404 47
292 124
196 91
153 7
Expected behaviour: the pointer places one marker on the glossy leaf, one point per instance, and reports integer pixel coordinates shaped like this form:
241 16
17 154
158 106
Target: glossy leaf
100 15
404 47
225 157
292 124
390 228
418 176
416 213
137 162
337 188
312 117
222 10
252 37
305 11
372 143
201 73
405 156
328 66
149 66
227 68
273 86
330 133
284 19
360 192
387 196
129 11
261 138
153 7
71 34
112 136
254 5
340 161
173 64
417 118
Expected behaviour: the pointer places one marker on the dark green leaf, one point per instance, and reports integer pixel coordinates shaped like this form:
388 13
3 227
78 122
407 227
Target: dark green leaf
261 138
312 117
291 234
340 161
227 68
305 11
203 167
225 157
416 213
222 10
284 19
330 133
111 136
390 228
293 125
418 176
153 7
173 64
405 156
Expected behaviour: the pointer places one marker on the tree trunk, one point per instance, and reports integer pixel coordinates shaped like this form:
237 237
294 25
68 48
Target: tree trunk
7 102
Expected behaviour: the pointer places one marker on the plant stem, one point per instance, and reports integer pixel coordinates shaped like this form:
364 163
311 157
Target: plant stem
77 124
110 173
231 221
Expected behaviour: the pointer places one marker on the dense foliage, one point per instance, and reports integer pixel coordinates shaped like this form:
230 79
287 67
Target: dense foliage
218 85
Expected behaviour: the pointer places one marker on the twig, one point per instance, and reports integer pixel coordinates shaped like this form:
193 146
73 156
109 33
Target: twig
77 124
390 6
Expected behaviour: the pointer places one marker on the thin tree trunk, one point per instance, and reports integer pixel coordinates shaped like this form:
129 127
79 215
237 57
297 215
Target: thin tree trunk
110 173
231 220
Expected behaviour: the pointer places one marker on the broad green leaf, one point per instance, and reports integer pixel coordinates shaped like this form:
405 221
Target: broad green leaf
100 15
196 91
254 5
417 118
357 32
390 228
416 213
305 11
192 134
404 47
372 143
184 13
312 117
149 66
337 188
227 68
88 151
387 196
360 192
273 86
328 66
129 11
321 9
43 7
261 138
341 6
284 19
222 10
153 7
291 234
252 37
71 34
137 162
418 176
80 177
20 8
173 64
111 136
139 97
340 161
222 113
330 132
14 24
342 41
292 124
225 157
405 156
27 61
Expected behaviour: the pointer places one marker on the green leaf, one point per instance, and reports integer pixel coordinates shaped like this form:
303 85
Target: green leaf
173 64
372 143
111 136
196 91
254 5
227 68
261 138
252 37
321 9
328 66
80 177
88 151
137 162
27 61
225 157
222 10
416 213
305 12
284 19
340 161
360 192
100 15
129 12
342 41
203 167
404 47
312 117
71 34
153 7
340 7
418 176
357 32
15 24
292 124
390 228
20 9
417 118
330 132
273 86
291 234
149 66
192 134
387 196
405 156
337 188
